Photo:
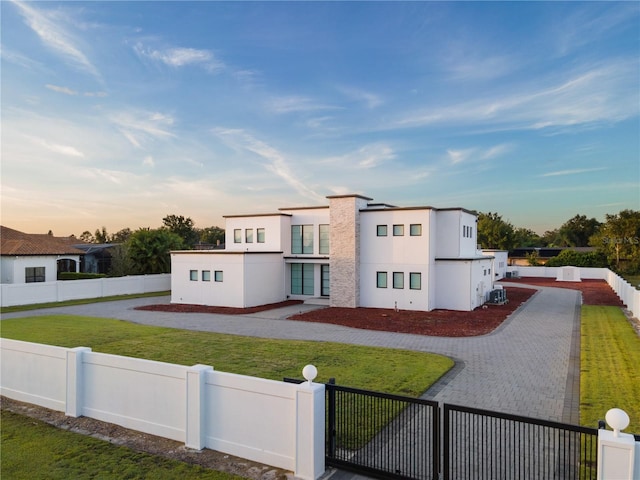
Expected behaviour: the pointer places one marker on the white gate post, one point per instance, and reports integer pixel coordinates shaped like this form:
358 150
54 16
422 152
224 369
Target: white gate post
195 434
310 412
616 450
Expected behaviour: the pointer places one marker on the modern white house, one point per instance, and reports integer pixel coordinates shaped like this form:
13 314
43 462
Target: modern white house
500 262
349 253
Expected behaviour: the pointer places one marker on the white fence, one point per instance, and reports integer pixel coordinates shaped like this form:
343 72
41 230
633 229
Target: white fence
628 294
275 423
12 294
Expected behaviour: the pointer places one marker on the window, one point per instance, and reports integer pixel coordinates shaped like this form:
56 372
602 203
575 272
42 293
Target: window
398 280
381 279
237 235
302 279
302 239
382 230
193 275
398 230
217 275
415 229
248 235
415 281
34 274
324 240
206 275
260 234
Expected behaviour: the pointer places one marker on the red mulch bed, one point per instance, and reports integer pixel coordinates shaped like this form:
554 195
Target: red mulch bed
188 308
441 323
594 292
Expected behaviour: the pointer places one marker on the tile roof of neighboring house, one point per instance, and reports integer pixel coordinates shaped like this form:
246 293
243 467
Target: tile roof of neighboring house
13 242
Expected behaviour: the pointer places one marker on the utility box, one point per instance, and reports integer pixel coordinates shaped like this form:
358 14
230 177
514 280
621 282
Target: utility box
498 296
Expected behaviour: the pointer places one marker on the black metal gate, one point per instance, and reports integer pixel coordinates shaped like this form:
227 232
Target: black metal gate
391 436
387 436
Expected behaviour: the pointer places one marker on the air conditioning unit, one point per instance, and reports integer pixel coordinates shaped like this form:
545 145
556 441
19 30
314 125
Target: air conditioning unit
498 296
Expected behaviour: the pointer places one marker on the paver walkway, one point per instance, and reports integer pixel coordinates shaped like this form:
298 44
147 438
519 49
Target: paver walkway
525 367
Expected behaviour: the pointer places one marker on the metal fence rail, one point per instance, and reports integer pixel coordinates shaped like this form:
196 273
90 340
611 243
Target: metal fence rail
480 444
388 436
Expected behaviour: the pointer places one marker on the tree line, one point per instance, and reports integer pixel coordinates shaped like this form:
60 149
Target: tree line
616 242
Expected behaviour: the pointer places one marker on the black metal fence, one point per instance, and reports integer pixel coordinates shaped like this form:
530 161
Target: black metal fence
480 444
391 436
387 436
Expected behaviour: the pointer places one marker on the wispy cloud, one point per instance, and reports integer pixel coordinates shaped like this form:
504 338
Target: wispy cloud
297 103
71 92
576 171
371 100
604 93
273 160
139 126
66 150
181 57
48 25
477 154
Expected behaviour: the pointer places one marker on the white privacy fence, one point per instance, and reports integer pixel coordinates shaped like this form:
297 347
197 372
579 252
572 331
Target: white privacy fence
275 423
628 294
13 294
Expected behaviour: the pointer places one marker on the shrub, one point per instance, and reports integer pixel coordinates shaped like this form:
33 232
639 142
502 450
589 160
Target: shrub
79 276
578 259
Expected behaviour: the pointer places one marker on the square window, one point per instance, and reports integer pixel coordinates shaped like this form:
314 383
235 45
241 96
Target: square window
415 281
237 235
415 229
34 274
381 279
382 231
260 234
398 230
248 235
193 275
206 275
398 279
217 275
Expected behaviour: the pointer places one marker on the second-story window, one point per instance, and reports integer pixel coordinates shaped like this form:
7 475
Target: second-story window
260 234
237 235
398 230
302 239
324 240
248 233
415 229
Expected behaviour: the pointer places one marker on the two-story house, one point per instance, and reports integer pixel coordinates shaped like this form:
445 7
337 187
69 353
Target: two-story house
349 253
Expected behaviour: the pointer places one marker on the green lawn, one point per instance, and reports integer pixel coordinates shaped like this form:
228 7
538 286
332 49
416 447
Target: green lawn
33 450
394 371
610 366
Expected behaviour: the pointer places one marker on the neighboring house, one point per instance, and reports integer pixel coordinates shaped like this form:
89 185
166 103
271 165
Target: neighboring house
350 253
28 258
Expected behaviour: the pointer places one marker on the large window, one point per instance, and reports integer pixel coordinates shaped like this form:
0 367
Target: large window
302 279
415 229
381 279
415 281
260 233
381 231
302 239
34 274
398 279
398 230
324 240
237 235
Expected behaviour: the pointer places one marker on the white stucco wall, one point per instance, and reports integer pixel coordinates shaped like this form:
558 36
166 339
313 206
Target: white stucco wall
13 268
451 243
500 262
276 227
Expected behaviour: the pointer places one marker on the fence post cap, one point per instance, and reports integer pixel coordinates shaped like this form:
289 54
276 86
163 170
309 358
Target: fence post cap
310 372
617 419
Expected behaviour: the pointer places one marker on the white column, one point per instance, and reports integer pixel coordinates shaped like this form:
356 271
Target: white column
310 415
73 403
195 435
616 450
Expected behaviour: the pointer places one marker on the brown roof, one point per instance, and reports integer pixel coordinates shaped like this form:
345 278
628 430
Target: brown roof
13 242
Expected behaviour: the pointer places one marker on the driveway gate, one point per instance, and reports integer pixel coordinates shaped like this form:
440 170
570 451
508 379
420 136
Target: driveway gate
390 436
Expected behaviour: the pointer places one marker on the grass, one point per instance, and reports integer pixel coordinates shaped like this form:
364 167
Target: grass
609 366
82 301
32 449
401 372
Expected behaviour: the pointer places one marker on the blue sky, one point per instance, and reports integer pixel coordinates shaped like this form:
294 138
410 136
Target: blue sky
117 114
